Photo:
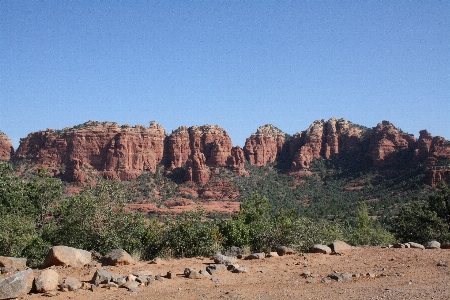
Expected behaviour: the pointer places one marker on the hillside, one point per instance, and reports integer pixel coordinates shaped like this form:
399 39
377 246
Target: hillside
322 171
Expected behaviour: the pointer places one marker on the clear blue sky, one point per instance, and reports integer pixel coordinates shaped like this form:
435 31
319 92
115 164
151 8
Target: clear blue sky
237 64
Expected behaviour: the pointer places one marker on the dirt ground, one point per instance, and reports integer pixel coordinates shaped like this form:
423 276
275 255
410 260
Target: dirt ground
396 274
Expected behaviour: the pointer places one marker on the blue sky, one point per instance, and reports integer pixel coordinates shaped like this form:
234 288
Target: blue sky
237 64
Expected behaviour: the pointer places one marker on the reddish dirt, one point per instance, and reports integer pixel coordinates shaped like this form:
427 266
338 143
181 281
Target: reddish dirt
399 274
180 206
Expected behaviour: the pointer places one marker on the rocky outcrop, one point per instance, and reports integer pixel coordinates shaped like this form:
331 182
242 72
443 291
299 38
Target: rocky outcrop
110 150
389 144
201 147
124 152
264 146
325 139
6 148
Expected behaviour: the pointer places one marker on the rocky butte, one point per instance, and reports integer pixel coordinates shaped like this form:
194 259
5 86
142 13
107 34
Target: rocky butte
124 152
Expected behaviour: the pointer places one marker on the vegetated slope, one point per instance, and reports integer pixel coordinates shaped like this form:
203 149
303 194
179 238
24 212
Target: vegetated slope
320 172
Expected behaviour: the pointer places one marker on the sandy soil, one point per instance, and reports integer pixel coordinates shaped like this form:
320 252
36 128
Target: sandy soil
398 274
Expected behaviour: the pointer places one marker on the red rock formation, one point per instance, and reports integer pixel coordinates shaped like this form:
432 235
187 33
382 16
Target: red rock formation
106 148
185 145
196 168
388 142
325 139
264 146
6 147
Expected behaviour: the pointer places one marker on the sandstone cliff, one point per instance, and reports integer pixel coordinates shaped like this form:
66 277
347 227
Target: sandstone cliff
6 147
264 146
325 139
124 152
110 150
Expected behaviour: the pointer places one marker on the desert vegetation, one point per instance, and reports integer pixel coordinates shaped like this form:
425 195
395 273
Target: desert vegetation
36 213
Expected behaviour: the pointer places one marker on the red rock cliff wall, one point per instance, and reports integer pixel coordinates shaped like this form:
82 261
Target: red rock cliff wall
6 147
264 146
109 149
325 139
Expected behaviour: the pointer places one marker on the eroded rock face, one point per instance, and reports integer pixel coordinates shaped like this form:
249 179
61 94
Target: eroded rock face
6 148
388 144
113 151
264 146
325 139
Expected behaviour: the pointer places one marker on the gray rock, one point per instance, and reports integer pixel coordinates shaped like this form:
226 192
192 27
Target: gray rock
101 277
216 268
66 256
340 277
132 285
256 256
241 269
340 246
16 285
433 245
70 284
326 280
272 254
306 274
283 250
223 259
110 285
416 245
116 277
192 273
118 257
46 281
15 263
318 248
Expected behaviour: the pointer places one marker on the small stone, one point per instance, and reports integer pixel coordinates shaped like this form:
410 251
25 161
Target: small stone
242 269
131 285
131 278
306 274
326 280
441 264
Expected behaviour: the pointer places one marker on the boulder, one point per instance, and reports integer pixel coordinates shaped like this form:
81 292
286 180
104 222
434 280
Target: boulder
216 268
241 269
16 285
318 248
283 250
340 246
13 262
70 284
256 256
433 245
46 281
101 276
66 256
118 257
416 245
192 273
223 259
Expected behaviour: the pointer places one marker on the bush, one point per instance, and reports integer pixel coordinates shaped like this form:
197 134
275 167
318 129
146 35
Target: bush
367 232
96 220
187 235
